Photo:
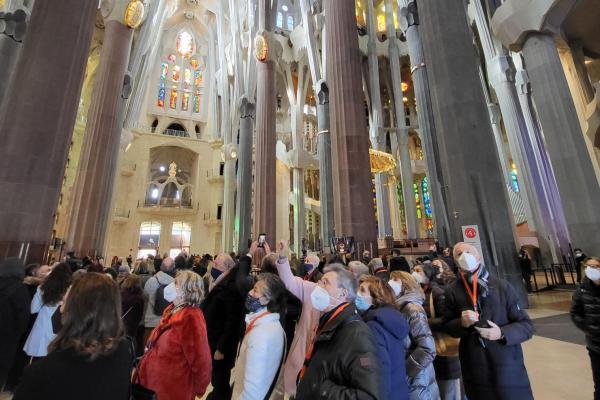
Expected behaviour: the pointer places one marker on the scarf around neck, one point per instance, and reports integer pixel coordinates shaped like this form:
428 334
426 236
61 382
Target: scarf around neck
482 279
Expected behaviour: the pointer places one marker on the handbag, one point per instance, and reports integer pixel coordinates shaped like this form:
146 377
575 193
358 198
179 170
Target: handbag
445 345
136 390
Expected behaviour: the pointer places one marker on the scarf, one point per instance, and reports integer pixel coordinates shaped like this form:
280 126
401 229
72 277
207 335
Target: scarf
482 279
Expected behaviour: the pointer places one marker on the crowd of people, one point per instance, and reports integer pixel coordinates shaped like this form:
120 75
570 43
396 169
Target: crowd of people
265 325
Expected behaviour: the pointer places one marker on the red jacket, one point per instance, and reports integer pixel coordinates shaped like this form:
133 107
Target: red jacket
177 365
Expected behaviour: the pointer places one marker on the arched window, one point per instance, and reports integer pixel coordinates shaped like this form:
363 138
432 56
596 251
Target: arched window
149 238
279 20
181 237
514 179
290 23
181 83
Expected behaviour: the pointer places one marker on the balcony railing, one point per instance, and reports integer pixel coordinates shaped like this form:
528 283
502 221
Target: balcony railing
175 132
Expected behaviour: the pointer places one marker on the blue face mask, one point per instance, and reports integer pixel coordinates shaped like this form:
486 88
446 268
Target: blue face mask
253 304
215 273
361 303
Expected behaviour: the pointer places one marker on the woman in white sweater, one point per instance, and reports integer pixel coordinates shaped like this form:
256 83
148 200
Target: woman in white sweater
262 351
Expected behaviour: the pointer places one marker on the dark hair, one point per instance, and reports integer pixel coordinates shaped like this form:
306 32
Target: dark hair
111 272
399 264
12 267
276 292
180 262
91 321
31 269
268 264
55 286
380 291
132 284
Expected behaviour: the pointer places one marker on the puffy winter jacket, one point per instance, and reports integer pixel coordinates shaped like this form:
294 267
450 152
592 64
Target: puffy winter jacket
390 330
420 349
344 362
585 312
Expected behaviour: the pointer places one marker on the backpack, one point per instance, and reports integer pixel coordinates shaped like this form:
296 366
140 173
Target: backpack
160 304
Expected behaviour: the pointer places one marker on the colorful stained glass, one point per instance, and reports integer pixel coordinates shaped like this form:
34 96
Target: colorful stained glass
172 58
514 179
176 73
426 197
194 63
164 68
173 98
187 78
185 100
161 95
197 101
185 44
418 201
198 78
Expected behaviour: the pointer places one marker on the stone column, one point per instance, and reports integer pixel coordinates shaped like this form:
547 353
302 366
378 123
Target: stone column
351 172
91 207
377 133
577 183
36 127
429 140
244 175
410 207
12 30
475 192
266 135
325 180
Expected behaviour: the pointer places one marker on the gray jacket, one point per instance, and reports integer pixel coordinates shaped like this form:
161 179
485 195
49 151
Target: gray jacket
151 320
420 349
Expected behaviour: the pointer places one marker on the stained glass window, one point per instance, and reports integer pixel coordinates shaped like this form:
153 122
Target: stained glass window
194 63
280 20
426 197
172 58
197 101
514 179
381 23
418 201
198 78
173 99
176 73
187 78
185 44
164 71
185 99
161 95
290 23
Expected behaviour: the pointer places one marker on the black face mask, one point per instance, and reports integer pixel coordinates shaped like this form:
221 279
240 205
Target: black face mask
215 273
253 304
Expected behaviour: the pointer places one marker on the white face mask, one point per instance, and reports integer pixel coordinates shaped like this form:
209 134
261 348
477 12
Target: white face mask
593 274
170 292
467 262
320 298
421 279
396 287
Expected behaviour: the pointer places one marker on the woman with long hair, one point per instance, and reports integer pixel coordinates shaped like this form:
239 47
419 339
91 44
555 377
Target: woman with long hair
375 300
48 297
177 363
89 358
420 349
261 353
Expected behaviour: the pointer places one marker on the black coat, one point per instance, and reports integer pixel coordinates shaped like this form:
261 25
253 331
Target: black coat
491 369
132 306
65 375
14 317
224 313
344 363
585 312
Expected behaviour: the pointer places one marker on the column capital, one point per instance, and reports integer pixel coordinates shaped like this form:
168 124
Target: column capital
514 20
409 16
14 24
322 92
130 13
501 69
247 108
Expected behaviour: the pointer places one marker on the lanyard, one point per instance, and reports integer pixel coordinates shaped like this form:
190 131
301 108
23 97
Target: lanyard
309 352
253 322
472 293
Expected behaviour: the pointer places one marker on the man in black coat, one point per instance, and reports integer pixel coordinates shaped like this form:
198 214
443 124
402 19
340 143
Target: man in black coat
485 313
14 312
224 313
343 363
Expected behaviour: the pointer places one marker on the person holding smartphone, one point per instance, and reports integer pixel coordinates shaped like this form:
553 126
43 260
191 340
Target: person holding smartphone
484 311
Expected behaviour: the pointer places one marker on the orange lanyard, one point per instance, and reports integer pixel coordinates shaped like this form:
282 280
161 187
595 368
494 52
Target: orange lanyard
472 293
312 345
253 322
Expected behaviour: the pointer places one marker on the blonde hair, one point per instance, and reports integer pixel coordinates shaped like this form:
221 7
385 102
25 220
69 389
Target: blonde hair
409 284
192 286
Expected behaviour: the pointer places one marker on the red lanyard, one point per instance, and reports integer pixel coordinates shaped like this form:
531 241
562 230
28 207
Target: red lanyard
312 345
472 293
253 322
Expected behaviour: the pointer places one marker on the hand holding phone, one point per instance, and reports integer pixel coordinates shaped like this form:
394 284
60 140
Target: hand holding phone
262 238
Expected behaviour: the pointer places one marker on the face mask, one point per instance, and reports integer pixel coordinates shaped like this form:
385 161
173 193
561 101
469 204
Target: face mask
170 292
253 304
578 254
308 267
593 274
468 262
421 279
215 273
361 303
395 287
320 298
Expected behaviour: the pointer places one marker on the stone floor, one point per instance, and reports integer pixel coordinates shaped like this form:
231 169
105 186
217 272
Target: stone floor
559 369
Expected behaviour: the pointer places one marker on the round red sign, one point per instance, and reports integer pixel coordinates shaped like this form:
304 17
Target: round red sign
470 233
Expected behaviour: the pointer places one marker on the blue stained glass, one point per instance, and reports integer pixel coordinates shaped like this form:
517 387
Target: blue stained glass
426 197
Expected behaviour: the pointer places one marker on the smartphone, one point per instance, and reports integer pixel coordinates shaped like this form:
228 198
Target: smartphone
261 240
